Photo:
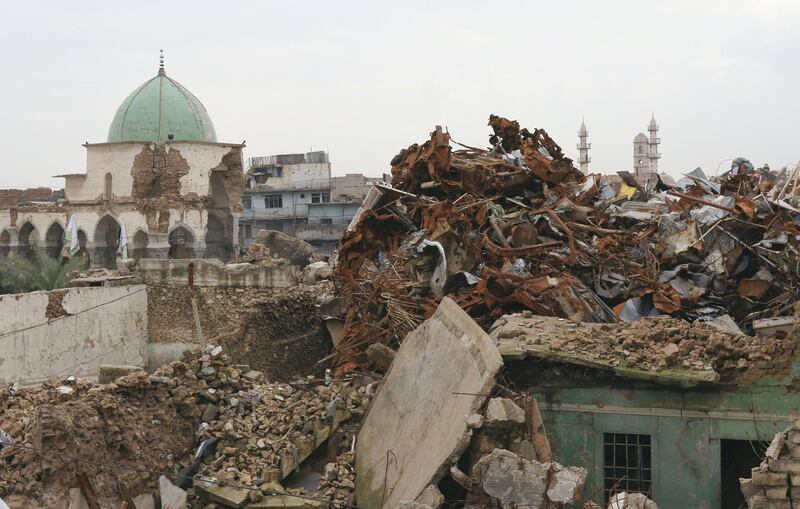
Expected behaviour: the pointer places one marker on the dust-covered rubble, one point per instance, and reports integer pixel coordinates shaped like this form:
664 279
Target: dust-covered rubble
140 426
650 344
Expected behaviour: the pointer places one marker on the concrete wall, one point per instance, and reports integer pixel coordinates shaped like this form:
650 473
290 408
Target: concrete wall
71 332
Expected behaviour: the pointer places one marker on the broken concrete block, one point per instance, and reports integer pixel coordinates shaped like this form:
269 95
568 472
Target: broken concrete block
431 497
208 372
252 375
172 497
768 478
460 477
625 500
513 481
144 501
776 492
747 488
784 465
566 483
224 495
775 447
474 421
380 355
760 502
414 421
76 500
110 372
503 411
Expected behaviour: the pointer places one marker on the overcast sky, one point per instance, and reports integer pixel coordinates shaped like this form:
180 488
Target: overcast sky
365 79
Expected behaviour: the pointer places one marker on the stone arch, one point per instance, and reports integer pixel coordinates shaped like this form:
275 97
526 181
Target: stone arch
5 243
181 242
54 240
28 239
106 241
140 241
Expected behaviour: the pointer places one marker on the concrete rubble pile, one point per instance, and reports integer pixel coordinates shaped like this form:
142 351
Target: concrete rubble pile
517 227
775 484
270 247
228 428
650 344
442 432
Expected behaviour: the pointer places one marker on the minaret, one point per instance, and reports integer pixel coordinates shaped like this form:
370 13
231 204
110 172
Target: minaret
583 148
653 155
641 164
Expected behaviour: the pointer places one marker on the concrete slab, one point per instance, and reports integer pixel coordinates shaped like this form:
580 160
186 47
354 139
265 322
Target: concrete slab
417 423
172 497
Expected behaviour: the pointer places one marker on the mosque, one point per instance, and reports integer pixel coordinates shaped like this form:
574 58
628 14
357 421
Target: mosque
645 151
160 186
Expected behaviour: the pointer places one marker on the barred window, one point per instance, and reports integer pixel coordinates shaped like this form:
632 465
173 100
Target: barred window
627 464
273 201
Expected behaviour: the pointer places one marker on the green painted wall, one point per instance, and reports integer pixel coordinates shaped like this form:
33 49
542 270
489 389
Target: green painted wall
686 426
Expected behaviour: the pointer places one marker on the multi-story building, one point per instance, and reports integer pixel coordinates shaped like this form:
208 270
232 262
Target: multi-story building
296 194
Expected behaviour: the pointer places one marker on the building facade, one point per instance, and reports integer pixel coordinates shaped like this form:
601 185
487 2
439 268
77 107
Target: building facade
160 186
683 446
296 194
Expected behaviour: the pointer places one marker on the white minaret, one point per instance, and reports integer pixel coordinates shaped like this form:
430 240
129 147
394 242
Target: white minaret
641 164
583 148
653 155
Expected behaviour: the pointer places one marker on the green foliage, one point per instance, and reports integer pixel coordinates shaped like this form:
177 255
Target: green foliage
20 274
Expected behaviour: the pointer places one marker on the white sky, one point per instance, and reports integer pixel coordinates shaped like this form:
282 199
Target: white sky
365 79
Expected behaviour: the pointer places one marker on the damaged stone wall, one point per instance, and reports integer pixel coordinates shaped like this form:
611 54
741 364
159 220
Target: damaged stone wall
157 172
74 331
276 331
232 182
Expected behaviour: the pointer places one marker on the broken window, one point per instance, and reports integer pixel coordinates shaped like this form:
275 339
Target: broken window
320 197
326 220
273 201
626 464
247 202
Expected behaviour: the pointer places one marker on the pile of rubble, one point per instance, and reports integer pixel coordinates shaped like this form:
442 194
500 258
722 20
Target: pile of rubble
207 428
655 343
518 227
441 419
775 484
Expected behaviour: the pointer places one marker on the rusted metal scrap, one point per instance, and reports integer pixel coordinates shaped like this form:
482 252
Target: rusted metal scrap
517 227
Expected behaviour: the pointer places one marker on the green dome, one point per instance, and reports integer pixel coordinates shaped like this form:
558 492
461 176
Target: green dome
159 108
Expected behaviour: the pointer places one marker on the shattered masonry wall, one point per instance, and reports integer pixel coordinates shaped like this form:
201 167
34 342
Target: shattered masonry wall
274 330
71 332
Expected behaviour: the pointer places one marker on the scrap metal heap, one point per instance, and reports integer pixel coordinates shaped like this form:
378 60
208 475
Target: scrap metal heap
517 227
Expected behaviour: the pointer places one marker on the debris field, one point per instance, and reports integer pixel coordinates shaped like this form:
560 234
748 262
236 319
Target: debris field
516 227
